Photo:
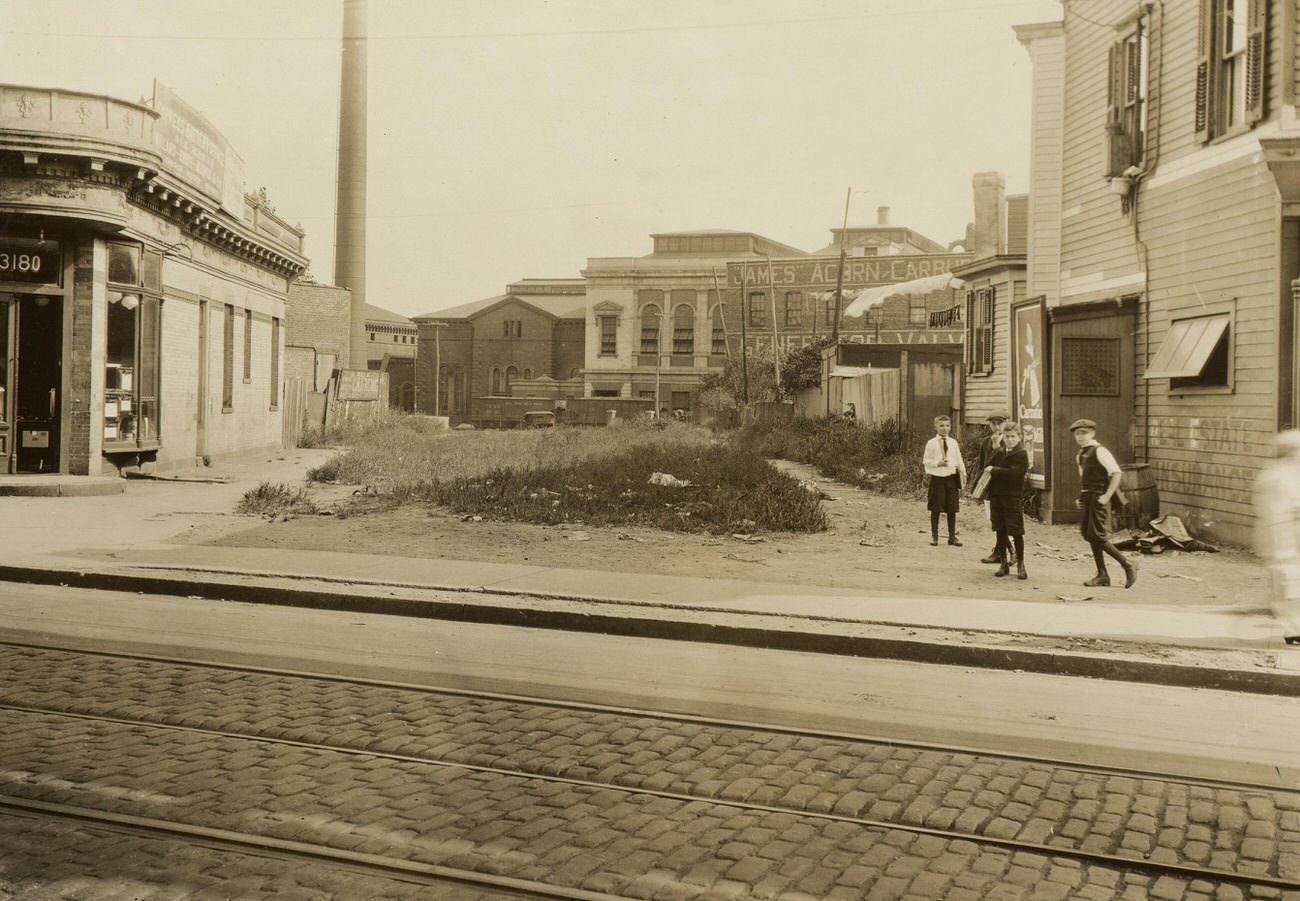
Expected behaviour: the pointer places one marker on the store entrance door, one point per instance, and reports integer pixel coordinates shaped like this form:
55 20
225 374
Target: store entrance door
37 351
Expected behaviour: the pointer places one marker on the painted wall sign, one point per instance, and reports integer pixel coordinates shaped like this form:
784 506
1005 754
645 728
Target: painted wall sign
858 272
1029 384
30 261
759 340
197 152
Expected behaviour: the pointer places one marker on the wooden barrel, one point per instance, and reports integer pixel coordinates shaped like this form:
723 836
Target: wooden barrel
1141 499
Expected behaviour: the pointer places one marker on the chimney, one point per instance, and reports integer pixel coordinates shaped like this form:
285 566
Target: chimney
882 215
987 236
350 209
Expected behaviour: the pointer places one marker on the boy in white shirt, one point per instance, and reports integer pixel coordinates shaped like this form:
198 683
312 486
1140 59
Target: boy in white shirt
947 472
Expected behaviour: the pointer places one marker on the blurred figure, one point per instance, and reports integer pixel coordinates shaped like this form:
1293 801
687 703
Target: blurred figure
1277 506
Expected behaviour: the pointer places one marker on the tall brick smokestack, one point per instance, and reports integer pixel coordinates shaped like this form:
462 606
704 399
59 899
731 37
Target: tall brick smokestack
350 211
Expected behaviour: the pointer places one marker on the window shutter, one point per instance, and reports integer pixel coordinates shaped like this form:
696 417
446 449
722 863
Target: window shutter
1205 48
1116 140
972 326
989 300
1256 54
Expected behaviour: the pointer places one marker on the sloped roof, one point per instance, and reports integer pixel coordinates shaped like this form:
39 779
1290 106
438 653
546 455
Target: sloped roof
379 314
556 306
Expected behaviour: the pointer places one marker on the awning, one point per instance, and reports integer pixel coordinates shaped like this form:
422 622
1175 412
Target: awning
871 297
1187 348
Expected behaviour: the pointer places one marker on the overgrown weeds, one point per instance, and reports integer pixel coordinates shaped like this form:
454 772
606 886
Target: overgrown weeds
597 476
277 499
884 456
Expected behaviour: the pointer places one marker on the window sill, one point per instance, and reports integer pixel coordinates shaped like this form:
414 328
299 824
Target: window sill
227 409
1235 132
130 447
248 381
1198 392
274 409
978 375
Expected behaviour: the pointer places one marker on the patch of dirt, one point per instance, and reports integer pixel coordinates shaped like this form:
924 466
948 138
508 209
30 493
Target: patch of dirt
875 544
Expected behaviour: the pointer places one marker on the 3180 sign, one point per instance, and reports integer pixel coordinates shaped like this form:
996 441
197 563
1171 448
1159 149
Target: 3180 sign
29 261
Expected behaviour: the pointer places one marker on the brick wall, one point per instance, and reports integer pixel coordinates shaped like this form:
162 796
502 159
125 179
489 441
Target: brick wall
319 316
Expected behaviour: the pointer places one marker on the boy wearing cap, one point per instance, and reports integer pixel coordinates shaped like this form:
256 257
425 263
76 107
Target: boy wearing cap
947 471
1100 476
989 446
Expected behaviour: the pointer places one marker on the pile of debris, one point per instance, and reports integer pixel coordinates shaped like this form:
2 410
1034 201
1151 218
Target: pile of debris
1165 533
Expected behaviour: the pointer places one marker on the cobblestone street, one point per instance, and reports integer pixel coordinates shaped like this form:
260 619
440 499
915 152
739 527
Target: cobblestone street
622 803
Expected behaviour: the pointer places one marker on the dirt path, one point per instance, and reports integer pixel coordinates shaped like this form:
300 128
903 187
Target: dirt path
875 543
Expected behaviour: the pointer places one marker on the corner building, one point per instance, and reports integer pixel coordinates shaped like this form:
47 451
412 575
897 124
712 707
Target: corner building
142 292
1165 241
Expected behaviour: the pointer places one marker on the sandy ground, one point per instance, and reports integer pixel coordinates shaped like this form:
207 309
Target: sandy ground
875 543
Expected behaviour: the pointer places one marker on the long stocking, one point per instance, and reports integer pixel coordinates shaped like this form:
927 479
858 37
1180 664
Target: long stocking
1020 548
934 523
952 524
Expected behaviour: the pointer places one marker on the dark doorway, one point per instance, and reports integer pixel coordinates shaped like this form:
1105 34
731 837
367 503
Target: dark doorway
1092 378
38 378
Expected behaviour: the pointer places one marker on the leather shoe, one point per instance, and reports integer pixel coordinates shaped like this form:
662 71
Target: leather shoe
1101 580
934 541
1020 571
991 558
1130 574
952 540
1003 570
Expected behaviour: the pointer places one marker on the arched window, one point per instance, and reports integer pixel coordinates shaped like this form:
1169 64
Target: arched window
684 330
575 373
528 373
496 382
718 344
512 375
650 329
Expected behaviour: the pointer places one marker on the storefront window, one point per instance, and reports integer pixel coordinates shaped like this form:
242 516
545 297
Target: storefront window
132 342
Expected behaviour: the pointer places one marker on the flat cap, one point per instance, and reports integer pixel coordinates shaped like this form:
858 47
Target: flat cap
1001 415
1083 424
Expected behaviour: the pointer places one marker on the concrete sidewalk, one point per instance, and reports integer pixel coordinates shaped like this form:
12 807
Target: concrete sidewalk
138 541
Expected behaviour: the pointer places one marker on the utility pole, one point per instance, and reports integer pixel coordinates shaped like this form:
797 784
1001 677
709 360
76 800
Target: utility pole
839 275
744 334
437 366
776 338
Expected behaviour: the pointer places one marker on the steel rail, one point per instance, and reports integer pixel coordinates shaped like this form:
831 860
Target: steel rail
284 849
1111 861
666 716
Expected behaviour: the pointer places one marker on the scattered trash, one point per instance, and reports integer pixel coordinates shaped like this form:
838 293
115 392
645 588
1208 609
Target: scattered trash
812 488
1046 547
1178 576
742 559
751 539
624 536
367 491
472 517
668 481
577 536
871 542
1067 597
1165 533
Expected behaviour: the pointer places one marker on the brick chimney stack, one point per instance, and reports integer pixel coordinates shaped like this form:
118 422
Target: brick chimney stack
986 236
882 215
350 212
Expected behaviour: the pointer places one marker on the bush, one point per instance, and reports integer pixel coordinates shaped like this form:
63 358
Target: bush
883 456
277 499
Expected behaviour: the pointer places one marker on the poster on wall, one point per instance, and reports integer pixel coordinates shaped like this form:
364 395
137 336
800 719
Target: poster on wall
1029 382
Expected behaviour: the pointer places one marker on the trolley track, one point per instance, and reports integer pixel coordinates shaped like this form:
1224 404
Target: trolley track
1121 862
487 887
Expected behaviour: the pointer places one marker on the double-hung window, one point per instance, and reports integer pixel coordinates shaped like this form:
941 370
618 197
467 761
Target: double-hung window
980 338
1126 120
1230 66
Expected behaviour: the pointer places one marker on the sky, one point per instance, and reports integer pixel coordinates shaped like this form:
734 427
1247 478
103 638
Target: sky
515 139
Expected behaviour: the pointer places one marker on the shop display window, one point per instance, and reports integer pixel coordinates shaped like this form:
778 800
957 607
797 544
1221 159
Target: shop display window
132 339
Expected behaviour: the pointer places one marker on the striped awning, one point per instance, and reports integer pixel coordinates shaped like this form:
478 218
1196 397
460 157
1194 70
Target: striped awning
1187 347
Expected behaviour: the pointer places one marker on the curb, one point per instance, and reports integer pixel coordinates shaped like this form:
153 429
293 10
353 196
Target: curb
915 651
